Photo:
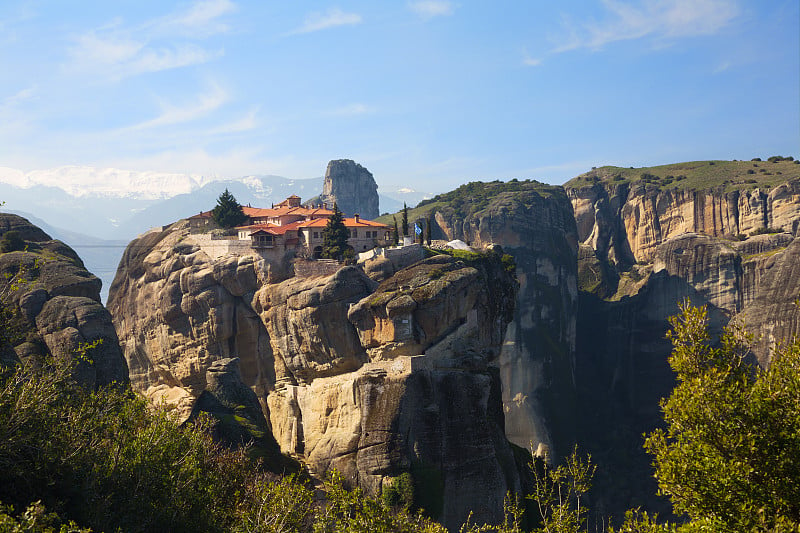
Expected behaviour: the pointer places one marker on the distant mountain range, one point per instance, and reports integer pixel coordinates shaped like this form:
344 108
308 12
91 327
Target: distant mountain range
98 211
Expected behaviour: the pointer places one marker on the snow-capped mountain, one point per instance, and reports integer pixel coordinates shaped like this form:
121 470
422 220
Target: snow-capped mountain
110 203
107 182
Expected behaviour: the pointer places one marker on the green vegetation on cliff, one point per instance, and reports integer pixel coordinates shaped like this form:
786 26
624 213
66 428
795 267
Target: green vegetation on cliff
107 461
474 197
697 175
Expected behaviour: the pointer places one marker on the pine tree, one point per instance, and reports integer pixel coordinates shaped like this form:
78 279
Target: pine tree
228 213
405 220
334 237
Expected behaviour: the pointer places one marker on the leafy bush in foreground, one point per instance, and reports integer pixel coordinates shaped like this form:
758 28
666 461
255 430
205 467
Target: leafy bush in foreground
105 460
730 455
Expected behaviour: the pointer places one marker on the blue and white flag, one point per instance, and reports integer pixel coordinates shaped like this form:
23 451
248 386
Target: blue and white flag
417 229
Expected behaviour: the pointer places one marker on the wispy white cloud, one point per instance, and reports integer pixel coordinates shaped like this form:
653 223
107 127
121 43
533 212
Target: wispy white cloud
722 67
200 19
428 9
247 122
172 114
351 110
664 19
530 61
333 17
116 51
20 96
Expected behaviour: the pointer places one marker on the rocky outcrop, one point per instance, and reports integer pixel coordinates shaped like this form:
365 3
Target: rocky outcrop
178 311
352 187
533 222
426 401
626 222
373 380
306 320
237 418
52 306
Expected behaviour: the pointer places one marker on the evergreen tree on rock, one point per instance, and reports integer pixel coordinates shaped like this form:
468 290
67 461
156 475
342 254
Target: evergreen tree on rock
334 237
228 213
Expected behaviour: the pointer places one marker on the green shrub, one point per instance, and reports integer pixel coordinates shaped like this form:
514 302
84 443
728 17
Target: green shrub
509 263
436 273
12 241
35 519
105 460
400 493
727 456
764 231
351 511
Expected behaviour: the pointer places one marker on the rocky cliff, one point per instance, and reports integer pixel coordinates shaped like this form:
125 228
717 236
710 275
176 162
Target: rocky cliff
352 187
533 222
624 214
428 369
719 242
52 306
649 241
177 311
374 380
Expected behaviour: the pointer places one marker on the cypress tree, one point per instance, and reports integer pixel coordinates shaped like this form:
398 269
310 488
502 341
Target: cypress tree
429 228
405 220
334 237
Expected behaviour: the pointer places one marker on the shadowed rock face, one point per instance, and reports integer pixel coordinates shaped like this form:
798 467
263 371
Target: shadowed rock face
643 251
54 306
352 188
237 416
537 366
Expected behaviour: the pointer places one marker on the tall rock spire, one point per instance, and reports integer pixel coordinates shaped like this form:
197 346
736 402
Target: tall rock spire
352 187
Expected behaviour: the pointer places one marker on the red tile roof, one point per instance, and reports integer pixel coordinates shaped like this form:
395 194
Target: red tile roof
314 217
348 222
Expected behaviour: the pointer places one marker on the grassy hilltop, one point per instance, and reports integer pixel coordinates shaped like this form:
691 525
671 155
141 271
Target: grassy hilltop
473 197
693 175
699 175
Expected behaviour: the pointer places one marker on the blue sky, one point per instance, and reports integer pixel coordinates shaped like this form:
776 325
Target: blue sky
426 94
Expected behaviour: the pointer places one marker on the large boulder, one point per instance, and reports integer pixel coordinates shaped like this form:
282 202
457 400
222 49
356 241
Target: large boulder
52 306
307 324
177 311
